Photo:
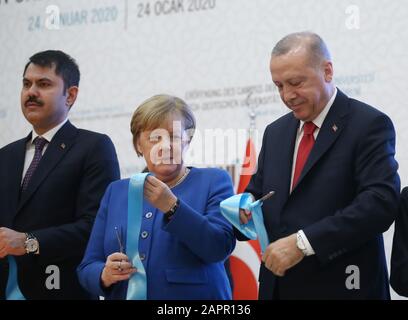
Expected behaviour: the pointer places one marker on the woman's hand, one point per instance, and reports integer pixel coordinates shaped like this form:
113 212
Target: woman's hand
117 268
159 194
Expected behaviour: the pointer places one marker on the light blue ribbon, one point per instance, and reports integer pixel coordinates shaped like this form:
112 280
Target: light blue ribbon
12 290
255 227
137 288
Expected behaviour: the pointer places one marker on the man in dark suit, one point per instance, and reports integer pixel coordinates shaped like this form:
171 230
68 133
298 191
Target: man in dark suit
399 257
51 184
331 163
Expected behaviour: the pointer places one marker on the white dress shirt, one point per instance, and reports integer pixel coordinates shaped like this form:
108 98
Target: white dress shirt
318 121
30 148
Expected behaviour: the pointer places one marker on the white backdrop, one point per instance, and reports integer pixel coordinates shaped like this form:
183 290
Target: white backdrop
212 53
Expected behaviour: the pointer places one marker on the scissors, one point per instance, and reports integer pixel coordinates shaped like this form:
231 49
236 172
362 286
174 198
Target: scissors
260 201
119 237
267 196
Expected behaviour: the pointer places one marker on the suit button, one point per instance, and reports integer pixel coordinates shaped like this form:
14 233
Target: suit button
148 215
142 256
144 234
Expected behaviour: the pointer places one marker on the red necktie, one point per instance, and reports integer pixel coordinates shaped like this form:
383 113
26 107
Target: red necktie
305 146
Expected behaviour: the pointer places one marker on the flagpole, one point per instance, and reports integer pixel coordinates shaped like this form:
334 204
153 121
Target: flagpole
252 115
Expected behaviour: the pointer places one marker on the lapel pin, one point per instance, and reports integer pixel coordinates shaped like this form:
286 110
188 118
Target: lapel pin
62 145
334 127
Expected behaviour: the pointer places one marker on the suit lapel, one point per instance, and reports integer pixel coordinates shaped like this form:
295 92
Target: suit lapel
288 146
56 150
329 132
16 174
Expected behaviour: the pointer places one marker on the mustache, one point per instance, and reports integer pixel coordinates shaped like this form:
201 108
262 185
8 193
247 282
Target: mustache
294 103
34 100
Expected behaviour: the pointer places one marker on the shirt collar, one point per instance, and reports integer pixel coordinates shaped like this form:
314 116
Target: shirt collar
318 121
50 133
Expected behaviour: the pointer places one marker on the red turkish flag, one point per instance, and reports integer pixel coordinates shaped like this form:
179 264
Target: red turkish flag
246 258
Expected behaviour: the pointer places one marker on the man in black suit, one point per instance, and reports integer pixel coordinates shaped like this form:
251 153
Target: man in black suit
399 257
51 184
331 163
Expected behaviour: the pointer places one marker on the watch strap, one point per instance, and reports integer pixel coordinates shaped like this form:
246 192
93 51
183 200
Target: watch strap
172 210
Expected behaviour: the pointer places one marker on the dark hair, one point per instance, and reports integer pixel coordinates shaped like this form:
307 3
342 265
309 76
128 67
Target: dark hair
65 66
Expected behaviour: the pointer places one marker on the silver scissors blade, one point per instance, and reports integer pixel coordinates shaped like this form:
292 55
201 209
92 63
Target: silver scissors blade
119 237
267 196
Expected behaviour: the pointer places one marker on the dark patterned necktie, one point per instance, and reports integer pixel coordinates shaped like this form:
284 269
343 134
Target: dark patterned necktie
39 144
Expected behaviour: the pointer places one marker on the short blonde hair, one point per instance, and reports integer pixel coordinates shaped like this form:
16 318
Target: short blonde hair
155 110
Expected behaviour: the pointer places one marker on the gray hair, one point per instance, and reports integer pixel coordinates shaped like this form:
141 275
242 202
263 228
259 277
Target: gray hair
312 42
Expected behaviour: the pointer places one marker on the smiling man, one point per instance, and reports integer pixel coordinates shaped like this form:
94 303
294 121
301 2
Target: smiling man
331 164
51 184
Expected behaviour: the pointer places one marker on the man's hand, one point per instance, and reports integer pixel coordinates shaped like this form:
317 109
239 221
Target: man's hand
159 194
244 216
11 242
282 255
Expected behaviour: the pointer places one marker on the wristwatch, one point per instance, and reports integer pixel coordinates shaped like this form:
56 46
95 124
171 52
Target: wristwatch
31 244
300 244
172 210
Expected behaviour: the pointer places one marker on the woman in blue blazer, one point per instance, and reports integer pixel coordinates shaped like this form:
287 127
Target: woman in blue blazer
184 239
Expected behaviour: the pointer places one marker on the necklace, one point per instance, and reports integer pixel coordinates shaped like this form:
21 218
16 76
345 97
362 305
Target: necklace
181 179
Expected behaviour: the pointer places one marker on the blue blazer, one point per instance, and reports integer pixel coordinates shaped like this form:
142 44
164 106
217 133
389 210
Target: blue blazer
58 207
183 258
346 197
399 257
